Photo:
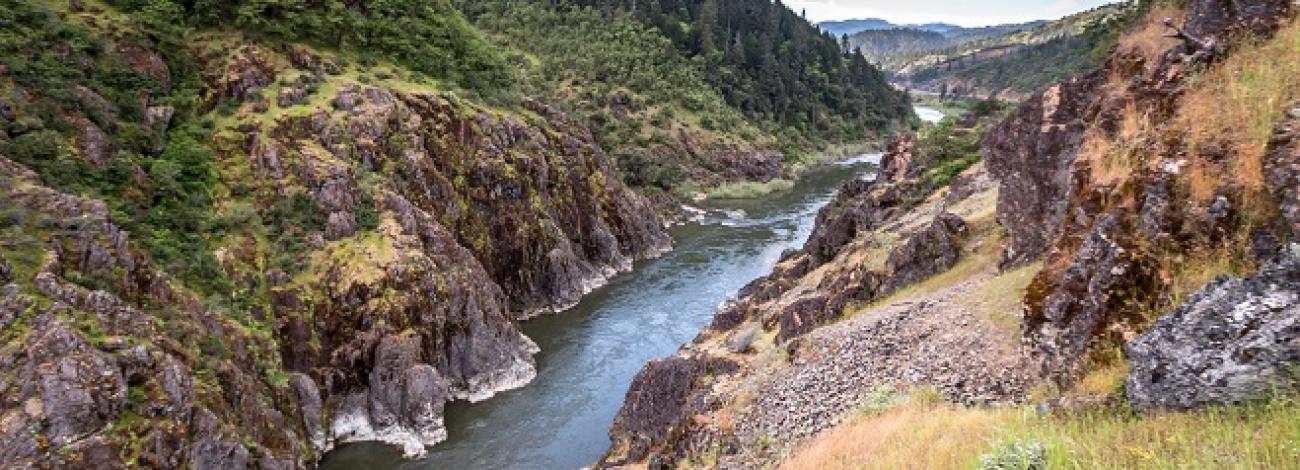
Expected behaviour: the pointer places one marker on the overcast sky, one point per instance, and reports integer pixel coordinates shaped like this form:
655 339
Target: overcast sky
962 12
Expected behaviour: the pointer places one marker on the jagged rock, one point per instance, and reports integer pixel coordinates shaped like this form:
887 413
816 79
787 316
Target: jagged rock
65 391
1219 19
896 162
340 225
250 69
1282 171
146 62
658 406
6 271
347 100
405 401
309 403
1031 153
216 454
92 143
1234 341
291 96
94 105
932 250
304 59
159 118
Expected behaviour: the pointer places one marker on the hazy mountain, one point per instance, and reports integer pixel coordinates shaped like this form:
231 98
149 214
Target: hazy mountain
951 31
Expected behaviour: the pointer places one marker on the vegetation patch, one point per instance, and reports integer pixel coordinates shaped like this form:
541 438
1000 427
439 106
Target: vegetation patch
750 189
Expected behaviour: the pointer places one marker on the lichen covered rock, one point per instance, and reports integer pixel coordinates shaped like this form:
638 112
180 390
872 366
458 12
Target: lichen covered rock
1235 341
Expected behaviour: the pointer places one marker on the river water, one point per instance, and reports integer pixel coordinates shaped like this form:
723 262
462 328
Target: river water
590 353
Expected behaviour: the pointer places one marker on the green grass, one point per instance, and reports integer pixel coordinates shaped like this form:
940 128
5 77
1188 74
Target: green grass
750 189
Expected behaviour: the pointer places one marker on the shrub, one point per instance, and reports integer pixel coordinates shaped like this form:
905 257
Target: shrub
365 214
1016 456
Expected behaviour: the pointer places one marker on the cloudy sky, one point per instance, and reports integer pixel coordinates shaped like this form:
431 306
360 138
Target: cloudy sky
962 12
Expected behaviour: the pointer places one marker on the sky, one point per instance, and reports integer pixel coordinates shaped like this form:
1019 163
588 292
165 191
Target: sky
962 12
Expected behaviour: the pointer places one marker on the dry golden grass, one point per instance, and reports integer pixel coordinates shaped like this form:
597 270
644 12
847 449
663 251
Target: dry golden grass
1236 104
1113 159
913 436
1148 38
927 436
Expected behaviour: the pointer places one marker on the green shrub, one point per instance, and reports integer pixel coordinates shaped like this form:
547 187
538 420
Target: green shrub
365 214
1016 456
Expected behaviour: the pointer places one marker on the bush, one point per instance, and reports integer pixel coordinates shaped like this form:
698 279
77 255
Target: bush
1016 456
366 216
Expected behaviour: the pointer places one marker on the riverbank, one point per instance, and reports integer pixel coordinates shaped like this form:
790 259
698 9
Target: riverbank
591 352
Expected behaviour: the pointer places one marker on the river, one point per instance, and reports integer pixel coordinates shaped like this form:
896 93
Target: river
590 353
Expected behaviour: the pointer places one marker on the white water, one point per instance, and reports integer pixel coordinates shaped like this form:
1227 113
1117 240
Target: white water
930 115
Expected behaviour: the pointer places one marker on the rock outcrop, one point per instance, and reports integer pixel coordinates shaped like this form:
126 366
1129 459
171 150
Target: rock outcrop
1031 153
107 360
1111 225
1235 341
477 219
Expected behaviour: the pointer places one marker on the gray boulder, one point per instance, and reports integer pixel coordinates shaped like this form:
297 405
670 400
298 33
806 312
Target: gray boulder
1236 340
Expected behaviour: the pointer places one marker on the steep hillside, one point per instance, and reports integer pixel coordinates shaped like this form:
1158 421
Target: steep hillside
881 46
779 70
1019 62
225 251
1113 286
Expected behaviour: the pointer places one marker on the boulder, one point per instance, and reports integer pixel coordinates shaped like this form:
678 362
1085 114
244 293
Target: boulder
1234 341
291 96
931 250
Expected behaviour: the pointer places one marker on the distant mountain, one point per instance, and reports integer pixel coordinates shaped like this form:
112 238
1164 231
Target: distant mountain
951 31
840 28
883 45
1018 60
896 47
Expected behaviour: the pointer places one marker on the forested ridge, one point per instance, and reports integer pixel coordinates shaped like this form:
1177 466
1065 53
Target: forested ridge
773 64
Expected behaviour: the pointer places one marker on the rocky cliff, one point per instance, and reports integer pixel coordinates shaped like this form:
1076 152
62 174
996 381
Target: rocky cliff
373 241
1107 178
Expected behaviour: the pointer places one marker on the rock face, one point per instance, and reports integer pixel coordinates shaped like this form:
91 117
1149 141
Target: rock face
855 224
389 242
104 357
1107 236
480 219
539 205
1031 153
662 402
1236 340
